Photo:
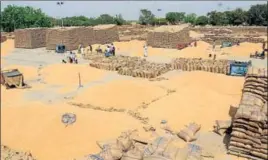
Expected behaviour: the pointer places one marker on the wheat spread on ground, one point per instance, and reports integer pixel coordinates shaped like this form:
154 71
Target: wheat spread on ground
125 94
36 127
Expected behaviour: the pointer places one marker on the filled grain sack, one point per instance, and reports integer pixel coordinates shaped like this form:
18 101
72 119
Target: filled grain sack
188 133
133 154
111 152
124 140
190 152
157 146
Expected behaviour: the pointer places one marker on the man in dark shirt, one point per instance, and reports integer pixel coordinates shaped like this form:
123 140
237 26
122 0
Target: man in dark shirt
90 48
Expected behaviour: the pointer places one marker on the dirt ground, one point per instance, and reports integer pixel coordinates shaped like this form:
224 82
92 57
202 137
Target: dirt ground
31 118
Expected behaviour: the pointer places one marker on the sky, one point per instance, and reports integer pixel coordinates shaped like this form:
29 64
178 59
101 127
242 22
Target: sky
130 9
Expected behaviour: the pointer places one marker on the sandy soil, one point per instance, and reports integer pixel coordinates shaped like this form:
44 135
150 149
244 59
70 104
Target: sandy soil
6 47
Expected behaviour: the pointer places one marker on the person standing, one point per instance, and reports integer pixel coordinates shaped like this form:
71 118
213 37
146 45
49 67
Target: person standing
214 44
145 51
90 48
113 49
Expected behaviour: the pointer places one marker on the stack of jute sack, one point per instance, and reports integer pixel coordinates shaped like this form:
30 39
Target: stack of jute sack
169 36
130 66
129 146
30 38
249 137
144 69
188 64
104 34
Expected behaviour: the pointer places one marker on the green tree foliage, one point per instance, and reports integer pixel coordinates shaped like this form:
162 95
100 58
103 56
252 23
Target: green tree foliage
15 17
190 18
201 20
146 17
257 15
119 20
175 17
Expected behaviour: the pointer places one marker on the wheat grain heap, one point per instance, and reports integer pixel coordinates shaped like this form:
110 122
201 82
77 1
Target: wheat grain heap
250 126
30 38
188 64
71 37
130 66
169 36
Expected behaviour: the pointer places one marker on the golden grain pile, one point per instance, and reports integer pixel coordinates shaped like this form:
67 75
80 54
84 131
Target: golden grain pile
130 66
30 38
250 127
189 64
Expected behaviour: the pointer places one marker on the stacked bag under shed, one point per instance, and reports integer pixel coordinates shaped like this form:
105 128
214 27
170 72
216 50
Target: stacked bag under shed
250 126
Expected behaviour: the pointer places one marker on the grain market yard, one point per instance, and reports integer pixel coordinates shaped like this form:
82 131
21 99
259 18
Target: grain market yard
36 111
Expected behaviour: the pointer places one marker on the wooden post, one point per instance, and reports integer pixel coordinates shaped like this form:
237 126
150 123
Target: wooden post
79 80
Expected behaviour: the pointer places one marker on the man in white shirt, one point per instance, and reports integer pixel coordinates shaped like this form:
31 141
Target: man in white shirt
145 50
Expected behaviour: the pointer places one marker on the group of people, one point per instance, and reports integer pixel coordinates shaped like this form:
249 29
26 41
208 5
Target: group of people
71 57
110 50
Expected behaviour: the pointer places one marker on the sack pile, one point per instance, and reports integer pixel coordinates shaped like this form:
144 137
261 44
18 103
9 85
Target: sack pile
104 34
188 64
130 66
168 39
30 38
249 135
189 132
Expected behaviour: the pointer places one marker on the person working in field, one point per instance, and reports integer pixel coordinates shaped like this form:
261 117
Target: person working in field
112 49
145 50
90 48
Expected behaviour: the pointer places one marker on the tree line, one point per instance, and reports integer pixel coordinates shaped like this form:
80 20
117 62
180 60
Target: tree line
18 17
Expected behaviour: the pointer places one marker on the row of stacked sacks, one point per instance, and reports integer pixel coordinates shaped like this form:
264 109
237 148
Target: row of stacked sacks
188 64
249 137
130 146
144 69
130 66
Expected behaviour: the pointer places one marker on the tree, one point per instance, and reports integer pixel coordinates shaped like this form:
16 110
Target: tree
118 19
146 17
190 18
257 15
15 17
175 17
237 17
201 20
217 18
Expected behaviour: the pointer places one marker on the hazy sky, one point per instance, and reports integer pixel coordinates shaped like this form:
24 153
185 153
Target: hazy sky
129 9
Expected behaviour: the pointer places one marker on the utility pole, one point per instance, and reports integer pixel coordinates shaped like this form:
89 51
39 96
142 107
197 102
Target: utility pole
61 4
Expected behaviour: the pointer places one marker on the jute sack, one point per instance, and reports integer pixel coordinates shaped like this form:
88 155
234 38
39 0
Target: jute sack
157 146
102 144
111 152
125 142
244 136
133 154
190 152
171 150
258 154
